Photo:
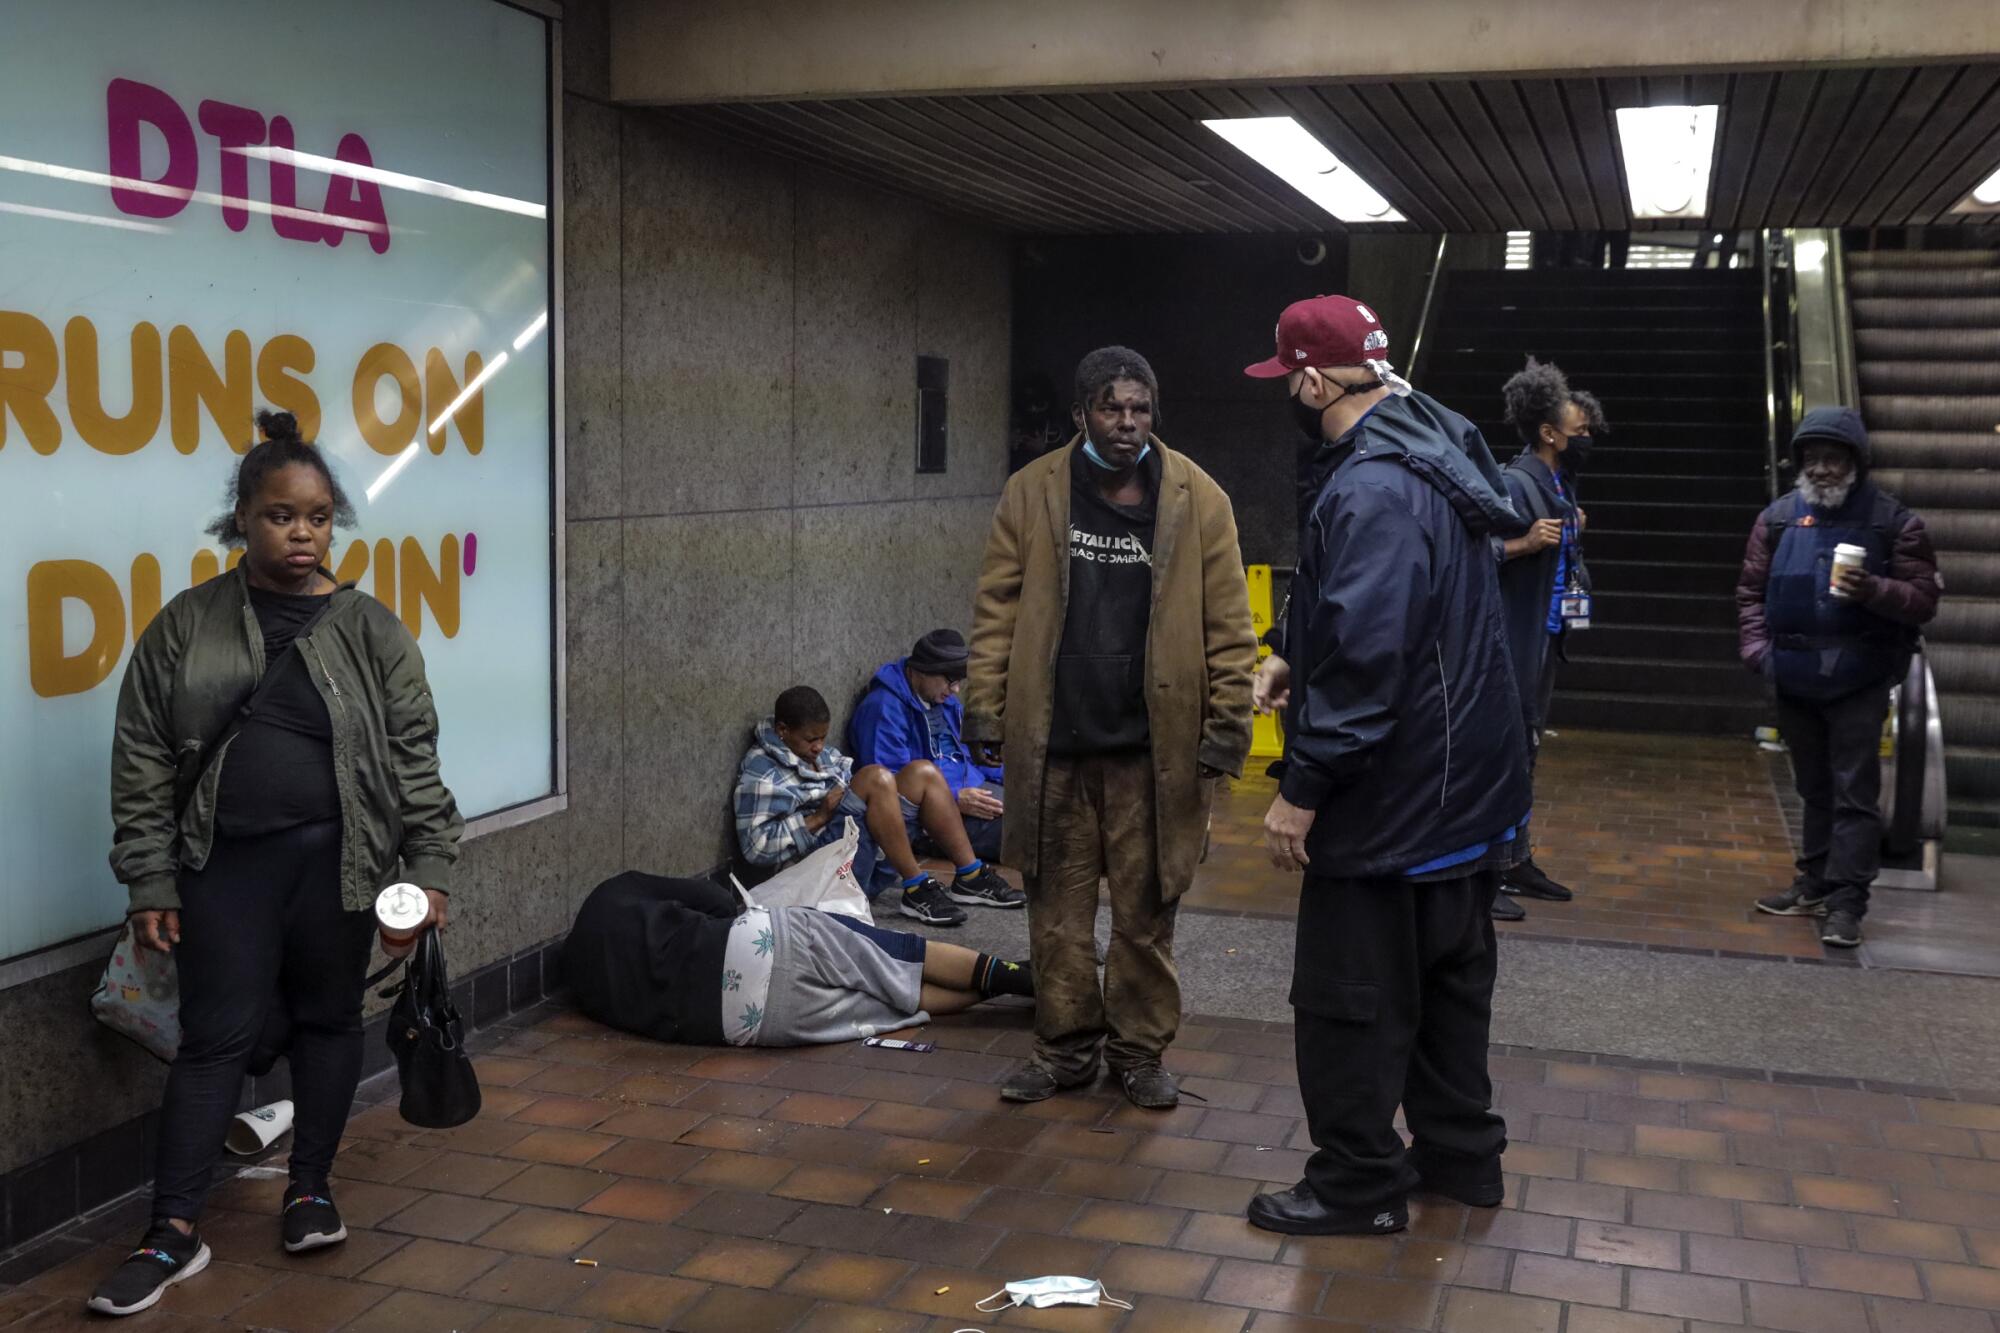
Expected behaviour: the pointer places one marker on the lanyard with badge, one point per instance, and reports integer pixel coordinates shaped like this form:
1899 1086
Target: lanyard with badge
1574 605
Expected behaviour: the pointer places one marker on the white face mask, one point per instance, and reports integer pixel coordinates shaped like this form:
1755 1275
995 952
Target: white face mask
1041 1292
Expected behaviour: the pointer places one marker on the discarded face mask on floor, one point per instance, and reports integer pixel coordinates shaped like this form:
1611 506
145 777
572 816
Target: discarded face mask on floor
1041 1292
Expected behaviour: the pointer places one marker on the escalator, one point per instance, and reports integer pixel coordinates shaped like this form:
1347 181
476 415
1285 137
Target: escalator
1927 350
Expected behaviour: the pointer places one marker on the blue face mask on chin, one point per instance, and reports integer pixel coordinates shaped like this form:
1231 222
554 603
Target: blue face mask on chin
1098 460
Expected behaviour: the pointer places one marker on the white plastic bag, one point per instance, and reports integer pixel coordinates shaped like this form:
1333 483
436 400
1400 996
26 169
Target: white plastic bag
825 880
140 995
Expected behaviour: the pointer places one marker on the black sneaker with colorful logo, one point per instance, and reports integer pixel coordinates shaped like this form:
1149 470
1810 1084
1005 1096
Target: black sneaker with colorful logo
926 901
984 887
164 1257
311 1221
1801 899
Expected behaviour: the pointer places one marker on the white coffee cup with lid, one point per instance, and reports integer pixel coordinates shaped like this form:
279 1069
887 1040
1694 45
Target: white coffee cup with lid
1845 556
401 909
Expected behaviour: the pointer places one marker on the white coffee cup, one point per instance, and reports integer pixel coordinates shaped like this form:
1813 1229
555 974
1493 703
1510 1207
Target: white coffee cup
253 1131
400 910
1845 556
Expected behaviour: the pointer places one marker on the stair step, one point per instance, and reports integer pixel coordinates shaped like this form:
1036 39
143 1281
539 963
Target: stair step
1962 619
1609 710
1713 549
1969 718
1925 283
1492 333
1925 489
1929 312
1635 675
1654 642
1960 530
1972 773
1930 378
1628 326
1716 579
1735 493
1878 259
1608 517
1604 279
1960 449
1619 456
1671 610
1968 573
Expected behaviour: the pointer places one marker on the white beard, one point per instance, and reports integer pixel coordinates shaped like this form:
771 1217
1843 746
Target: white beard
1825 497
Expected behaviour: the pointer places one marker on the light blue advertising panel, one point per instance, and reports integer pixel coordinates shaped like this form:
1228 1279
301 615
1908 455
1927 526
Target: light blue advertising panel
339 211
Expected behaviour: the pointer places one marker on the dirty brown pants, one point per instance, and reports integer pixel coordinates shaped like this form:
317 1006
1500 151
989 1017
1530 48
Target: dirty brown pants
1098 820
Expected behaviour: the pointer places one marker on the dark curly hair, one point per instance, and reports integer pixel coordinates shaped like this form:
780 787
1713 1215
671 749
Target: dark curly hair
280 448
1096 372
1593 413
1536 396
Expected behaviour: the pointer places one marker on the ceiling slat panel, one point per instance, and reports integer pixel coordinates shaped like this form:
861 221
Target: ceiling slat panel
1558 137
1886 203
1835 104
1881 93
1790 102
1393 114
1745 108
1503 98
1101 137
1139 116
1181 112
1484 142
1889 162
1969 155
1597 141
1399 170
1426 103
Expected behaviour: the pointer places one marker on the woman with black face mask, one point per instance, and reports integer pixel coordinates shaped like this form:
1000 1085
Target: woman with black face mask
1542 579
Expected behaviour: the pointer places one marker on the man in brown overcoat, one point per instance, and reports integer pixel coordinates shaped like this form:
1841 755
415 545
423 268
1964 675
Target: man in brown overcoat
1111 661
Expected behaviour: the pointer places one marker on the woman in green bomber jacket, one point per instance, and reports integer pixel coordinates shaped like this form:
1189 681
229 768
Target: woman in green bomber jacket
253 843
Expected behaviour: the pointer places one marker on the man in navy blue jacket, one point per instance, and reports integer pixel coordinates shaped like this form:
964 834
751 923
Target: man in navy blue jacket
911 715
1406 781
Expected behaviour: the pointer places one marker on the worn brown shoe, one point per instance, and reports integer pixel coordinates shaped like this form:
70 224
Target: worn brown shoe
1033 1082
1150 1087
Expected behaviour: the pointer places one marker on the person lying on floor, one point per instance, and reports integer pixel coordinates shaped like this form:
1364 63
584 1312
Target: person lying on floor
795 793
684 960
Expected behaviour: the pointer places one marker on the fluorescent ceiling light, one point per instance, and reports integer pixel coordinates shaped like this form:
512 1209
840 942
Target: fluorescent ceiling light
1985 196
1289 151
1668 151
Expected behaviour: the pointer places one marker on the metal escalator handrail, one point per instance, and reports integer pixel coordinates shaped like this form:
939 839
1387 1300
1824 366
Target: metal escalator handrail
1916 804
1843 322
1416 369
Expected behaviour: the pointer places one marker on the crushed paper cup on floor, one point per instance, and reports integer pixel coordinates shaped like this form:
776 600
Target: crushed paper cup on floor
254 1130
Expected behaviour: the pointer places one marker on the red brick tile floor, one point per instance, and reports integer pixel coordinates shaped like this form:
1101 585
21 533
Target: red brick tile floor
612 1183
1666 839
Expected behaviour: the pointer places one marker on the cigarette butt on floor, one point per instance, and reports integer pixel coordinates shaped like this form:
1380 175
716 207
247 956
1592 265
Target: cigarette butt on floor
584 1263
941 1291
923 1161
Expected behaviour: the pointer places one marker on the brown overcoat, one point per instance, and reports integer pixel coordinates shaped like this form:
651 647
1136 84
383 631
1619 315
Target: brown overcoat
1200 651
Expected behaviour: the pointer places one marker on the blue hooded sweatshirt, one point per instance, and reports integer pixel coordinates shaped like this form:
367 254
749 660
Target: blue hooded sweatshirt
889 728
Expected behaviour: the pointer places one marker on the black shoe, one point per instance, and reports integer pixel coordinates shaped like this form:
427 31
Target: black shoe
163 1258
1476 1185
927 902
1506 909
1299 1212
1842 930
1528 880
985 888
1034 1082
311 1222
1150 1087
1795 901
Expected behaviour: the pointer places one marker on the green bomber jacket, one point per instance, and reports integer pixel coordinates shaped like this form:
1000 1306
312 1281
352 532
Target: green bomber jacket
190 673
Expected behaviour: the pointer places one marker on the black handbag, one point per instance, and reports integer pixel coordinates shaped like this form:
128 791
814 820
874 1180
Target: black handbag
440 1089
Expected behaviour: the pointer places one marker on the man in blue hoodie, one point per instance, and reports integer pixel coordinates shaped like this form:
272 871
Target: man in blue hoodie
911 715
1406 782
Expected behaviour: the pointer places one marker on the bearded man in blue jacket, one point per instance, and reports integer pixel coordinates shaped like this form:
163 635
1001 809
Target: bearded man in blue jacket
911 716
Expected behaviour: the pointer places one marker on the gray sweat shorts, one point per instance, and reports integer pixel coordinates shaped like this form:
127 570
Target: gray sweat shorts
832 983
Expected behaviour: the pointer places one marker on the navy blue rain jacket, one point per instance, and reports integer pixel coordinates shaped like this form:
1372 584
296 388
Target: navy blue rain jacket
1405 730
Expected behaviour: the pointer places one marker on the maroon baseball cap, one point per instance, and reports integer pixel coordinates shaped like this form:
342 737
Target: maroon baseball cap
1324 331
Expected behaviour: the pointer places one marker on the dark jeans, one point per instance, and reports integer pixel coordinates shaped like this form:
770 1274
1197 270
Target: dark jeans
1837 767
261 926
1392 992
1545 693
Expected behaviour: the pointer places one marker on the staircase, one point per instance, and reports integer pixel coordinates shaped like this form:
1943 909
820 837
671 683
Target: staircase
1677 359
1927 347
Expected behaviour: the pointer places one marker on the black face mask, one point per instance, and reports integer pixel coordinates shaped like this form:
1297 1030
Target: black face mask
1309 417
1576 455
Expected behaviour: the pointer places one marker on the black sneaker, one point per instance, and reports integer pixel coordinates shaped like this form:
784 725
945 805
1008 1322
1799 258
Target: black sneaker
1033 1082
929 903
1150 1087
985 888
1528 880
163 1258
311 1222
1474 1184
1506 909
1842 930
1795 901
1299 1212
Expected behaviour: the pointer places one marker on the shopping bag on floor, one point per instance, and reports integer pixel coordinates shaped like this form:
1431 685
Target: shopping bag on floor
140 995
825 880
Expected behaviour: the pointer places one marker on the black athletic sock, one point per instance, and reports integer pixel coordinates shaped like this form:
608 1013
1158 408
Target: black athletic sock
996 976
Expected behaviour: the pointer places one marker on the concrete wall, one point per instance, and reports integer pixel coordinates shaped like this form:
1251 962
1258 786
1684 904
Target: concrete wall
741 339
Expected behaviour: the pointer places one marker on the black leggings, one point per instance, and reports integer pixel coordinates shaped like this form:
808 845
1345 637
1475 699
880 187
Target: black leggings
267 955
